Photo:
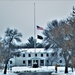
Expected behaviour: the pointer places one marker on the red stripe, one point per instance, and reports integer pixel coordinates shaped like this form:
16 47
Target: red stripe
39 28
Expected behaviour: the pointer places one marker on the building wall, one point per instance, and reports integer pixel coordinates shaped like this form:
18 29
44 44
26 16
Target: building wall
41 58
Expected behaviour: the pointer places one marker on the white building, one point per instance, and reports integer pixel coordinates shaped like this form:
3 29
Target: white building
27 57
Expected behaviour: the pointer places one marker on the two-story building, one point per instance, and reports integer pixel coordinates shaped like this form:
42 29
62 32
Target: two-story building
28 57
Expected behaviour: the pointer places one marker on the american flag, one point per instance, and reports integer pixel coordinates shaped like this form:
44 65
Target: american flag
39 28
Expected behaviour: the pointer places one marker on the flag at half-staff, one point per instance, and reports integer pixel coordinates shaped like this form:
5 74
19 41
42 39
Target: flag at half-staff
39 36
39 28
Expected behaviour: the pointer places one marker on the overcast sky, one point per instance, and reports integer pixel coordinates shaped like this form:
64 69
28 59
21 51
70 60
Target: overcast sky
20 14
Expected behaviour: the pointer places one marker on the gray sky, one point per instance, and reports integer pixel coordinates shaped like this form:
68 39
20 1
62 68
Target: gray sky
19 14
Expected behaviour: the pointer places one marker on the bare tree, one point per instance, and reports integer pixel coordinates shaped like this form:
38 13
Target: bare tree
11 35
72 63
1 54
62 34
53 58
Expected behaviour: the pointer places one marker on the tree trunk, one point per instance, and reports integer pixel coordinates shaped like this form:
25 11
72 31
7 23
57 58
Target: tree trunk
66 68
72 68
5 69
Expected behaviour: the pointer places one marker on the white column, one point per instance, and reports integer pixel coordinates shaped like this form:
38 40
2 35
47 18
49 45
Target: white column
39 62
44 62
27 62
32 63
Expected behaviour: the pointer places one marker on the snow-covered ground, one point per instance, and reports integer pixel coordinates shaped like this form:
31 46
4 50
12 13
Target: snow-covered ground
8 73
30 69
43 69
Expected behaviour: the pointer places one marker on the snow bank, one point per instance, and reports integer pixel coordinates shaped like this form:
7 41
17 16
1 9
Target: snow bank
30 69
39 69
43 69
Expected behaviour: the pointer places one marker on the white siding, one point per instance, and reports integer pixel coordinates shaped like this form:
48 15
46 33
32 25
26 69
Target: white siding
18 61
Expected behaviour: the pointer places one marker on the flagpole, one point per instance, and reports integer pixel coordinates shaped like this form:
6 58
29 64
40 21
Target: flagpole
34 35
34 29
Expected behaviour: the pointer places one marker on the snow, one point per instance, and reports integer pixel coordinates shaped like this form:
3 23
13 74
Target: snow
28 50
40 69
30 69
8 73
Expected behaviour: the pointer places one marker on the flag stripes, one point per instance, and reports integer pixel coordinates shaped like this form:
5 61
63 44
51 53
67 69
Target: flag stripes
39 36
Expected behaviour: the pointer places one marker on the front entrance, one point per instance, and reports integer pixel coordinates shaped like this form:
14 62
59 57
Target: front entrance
35 63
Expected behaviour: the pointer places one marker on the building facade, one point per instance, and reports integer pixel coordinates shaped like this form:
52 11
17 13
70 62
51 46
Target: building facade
28 57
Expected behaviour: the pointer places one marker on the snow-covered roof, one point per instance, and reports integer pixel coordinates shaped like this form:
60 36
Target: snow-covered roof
28 50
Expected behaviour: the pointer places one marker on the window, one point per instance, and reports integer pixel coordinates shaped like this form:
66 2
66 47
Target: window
29 61
52 54
23 55
29 55
42 61
36 55
47 61
60 61
41 55
18 54
23 61
47 54
60 54
10 62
